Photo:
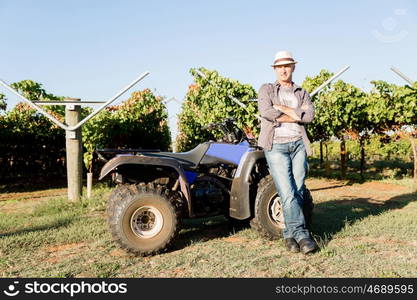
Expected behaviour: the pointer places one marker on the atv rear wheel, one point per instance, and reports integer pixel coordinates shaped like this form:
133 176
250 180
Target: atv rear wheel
145 221
269 217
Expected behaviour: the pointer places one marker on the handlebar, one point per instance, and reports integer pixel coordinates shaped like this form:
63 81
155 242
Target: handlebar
223 124
232 133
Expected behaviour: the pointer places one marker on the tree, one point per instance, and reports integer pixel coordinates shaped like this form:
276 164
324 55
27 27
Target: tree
340 111
35 92
139 122
344 113
3 104
318 130
393 107
206 103
31 144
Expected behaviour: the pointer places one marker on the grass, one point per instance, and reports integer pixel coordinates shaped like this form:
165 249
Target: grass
364 230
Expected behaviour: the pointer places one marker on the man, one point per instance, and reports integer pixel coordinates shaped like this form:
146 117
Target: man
284 108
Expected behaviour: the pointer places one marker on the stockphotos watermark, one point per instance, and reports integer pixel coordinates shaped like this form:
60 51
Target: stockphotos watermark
62 288
391 31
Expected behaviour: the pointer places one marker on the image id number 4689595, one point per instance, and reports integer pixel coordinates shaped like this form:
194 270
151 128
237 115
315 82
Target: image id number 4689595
390 289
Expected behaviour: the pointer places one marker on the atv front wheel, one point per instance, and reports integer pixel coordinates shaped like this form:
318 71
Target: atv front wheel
269 217
144 221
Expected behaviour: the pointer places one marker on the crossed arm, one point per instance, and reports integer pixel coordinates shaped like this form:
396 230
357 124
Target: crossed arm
283 114
288 116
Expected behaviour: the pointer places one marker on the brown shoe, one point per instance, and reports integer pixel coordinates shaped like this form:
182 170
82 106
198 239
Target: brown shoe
291 245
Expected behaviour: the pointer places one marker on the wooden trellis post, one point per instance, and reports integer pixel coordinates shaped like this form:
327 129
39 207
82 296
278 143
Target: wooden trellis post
74 151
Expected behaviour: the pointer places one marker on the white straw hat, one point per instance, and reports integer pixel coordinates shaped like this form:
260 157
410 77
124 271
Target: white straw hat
283 58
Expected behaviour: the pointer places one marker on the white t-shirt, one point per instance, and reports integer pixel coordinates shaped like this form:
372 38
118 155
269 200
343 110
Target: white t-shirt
287 131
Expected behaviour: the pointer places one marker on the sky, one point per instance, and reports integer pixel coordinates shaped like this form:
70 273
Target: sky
92 49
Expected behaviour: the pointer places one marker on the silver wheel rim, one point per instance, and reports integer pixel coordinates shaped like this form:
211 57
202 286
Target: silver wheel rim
275 213
146 222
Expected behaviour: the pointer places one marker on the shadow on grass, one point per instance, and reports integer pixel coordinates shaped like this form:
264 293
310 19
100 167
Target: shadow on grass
331 217
54 225
204 229
32 185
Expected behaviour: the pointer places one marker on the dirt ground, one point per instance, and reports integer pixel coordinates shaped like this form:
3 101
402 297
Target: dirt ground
373 192
24 201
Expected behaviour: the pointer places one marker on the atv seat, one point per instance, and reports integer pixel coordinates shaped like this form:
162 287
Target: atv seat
189 159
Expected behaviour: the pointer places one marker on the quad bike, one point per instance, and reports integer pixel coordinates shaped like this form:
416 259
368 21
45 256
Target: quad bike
157 190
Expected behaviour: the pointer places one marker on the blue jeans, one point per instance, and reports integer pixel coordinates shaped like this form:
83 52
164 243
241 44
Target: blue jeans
288 167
